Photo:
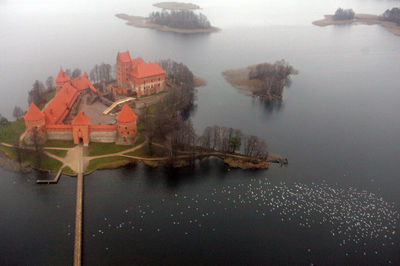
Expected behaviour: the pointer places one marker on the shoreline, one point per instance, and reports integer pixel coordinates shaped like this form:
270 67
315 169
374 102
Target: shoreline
182 163
142 22
363 19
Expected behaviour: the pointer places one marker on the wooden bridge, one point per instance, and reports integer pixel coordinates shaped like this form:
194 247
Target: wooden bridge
78 211
115 104
51 181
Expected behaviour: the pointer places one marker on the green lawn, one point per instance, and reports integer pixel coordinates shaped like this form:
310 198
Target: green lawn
49 95
67 170
111 162
46 162
106 148
59 143
59 153
139 140
145 152
10 133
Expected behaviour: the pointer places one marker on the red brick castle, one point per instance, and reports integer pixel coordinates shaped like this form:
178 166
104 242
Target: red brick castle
138 76
52 122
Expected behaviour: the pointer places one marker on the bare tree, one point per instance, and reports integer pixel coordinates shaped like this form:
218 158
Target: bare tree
50 83
68 72
36 93
18 113
76 73
38 146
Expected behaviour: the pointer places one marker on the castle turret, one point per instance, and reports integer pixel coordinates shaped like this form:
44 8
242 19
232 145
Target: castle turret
124 64
35 125
80 129
126 129
61 79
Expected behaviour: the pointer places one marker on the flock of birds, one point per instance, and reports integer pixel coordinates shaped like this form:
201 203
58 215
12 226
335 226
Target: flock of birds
355 217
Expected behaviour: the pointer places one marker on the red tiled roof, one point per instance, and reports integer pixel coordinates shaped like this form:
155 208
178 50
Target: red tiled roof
126 115
137 61
57 107
33 113
81 119
147 70
82 83
62 76
124 57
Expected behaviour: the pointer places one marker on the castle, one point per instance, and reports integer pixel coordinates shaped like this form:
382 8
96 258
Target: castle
52 122
138 76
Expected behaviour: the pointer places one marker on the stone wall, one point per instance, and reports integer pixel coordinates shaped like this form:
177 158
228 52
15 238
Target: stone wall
103 136
59 135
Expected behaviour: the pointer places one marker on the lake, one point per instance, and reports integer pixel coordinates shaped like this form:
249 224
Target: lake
337 202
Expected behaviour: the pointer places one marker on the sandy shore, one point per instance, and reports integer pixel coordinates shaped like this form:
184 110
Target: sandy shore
176 6
360 19
142 22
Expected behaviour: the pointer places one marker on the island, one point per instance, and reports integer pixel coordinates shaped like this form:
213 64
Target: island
178 20
176 6
263 80
390 20
75 126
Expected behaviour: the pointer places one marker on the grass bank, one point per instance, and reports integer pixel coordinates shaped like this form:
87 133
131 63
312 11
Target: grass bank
107 163
45 162
10 132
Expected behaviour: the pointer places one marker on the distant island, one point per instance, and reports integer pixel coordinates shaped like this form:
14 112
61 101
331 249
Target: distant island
178 20
390 20
264 80
176 6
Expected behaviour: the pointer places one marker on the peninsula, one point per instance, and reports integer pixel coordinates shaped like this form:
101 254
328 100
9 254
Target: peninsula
179 20
264 80
142 116
364 19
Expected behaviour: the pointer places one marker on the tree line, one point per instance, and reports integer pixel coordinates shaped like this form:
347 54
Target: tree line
100 73
181 19
274 77
168 123
392 15
343 14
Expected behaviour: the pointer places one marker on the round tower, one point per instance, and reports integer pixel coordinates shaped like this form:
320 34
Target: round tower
35 125
126 121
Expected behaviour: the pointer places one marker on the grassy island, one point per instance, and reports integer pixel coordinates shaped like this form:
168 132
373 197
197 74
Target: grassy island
178 20
264 80
389 20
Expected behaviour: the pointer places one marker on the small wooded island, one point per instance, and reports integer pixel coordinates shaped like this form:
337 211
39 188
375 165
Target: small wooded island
175 17
176 6
264 80
74 126
390 19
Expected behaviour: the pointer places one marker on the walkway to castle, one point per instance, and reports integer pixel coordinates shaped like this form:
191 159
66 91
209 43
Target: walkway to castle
78 212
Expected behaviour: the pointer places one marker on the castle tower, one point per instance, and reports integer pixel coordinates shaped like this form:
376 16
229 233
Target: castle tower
80 129
35 125
124 63
126 129
61 79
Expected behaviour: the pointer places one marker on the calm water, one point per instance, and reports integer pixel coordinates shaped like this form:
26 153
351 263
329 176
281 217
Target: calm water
336 202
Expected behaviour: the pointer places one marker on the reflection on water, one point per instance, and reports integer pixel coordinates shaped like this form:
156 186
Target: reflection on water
268 105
